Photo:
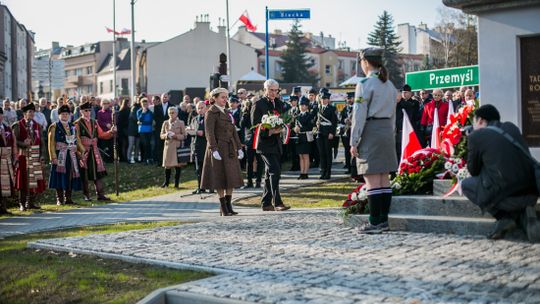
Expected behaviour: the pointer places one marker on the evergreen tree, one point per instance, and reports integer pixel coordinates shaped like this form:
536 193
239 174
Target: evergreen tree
383 36
294 61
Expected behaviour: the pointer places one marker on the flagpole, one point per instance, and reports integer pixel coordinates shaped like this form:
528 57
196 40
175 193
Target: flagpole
114 51
266 46
228 49
133 93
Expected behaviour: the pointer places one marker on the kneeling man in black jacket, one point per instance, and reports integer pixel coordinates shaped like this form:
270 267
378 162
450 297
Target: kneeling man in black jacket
503 180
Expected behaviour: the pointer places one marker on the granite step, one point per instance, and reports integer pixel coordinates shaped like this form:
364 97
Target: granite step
454 206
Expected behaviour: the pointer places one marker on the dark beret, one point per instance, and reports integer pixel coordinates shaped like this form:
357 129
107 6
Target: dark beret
64 109
304 101
371 53
85 106
293 98
406 88
234 98
28 107
326 95
322 91
312 91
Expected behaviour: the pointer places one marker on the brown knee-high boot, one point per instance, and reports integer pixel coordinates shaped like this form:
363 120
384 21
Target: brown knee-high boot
223 210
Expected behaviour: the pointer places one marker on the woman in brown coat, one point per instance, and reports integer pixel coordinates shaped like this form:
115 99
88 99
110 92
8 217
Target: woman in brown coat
173 132
221 168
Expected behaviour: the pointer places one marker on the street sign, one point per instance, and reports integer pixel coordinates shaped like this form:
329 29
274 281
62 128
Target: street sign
289 14
443 78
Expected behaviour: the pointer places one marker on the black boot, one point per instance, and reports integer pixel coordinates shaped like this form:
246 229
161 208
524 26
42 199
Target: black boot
59 197
223 210
167 178
67 197
177 173
29 202
229 204
3 206
22 201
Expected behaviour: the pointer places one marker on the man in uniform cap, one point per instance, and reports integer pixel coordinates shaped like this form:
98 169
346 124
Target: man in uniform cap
29 173
314 110
326 128
7 159
93 169
345 129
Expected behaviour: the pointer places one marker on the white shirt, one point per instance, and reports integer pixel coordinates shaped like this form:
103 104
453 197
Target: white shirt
40 119
165 107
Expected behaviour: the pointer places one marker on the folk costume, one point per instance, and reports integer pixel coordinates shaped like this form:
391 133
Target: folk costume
7 159
29 178
93 169
64 152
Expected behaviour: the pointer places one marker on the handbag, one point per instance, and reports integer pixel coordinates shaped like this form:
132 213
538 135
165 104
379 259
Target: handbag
536 164
183 154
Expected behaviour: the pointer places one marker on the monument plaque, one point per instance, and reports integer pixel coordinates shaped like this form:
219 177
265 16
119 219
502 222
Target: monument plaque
530 89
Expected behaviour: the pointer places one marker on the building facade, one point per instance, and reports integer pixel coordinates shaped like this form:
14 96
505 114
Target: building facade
81 64
188 60
16 56
123 75
509 65
48 72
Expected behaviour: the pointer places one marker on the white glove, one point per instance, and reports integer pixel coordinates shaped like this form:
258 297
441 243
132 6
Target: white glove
240 154
216 155
170 134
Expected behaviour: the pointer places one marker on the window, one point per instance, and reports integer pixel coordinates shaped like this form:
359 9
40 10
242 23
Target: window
125 86
327 69
89 70
341 63
67 74
262 67
101 87
353 66
78 72
327 84
110 85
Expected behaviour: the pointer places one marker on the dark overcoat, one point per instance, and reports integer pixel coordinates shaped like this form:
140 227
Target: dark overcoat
221 136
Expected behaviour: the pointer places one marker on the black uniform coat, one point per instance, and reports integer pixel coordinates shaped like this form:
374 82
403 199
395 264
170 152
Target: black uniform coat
199 142
502 169
329 113
159 117
268 144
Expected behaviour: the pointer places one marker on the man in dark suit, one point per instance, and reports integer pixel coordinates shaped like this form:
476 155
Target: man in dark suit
412 108
236 112
160 115
269 146
503 181
251 153
313 109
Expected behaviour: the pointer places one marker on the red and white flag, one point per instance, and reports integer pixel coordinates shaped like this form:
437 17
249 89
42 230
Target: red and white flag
247 22
435 138
124 31
450 110
409 141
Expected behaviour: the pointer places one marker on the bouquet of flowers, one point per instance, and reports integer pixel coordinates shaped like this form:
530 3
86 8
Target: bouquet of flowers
356 201
272 121
416 173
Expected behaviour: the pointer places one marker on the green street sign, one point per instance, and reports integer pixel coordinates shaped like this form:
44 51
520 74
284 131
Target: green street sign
443 78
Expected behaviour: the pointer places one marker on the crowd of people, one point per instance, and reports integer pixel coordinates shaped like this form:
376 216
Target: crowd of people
152 131
222 136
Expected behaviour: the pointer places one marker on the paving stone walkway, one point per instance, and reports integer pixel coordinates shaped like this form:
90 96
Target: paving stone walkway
181 206
310 257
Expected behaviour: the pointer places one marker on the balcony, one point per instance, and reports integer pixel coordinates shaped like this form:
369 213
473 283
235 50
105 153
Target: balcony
76 80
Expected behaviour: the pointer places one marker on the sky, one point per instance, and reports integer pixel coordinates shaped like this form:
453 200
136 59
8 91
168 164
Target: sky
75 22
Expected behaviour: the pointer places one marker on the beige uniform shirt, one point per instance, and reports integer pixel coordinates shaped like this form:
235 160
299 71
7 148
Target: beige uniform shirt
372 98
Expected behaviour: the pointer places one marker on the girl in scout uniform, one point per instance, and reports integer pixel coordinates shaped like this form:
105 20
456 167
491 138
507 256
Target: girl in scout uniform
304 129
372 136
